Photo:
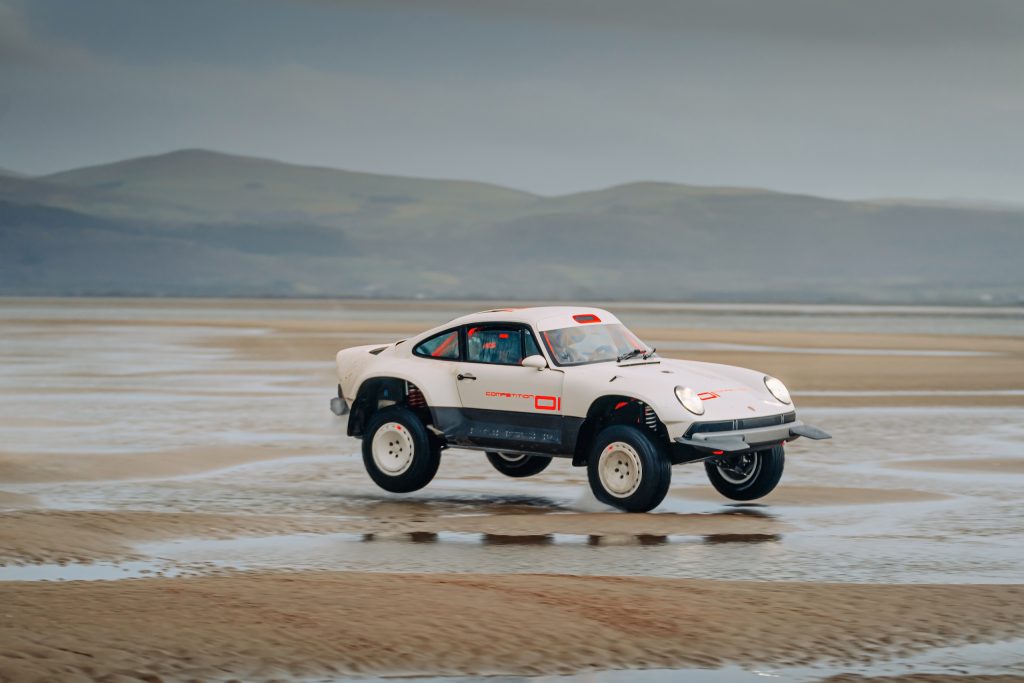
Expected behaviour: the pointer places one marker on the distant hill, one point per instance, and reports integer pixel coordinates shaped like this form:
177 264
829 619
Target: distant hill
208 186
196 222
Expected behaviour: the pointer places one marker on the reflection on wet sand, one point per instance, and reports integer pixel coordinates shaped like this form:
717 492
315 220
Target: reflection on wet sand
521 539
742 538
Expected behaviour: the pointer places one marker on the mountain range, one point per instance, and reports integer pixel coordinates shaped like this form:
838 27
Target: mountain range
202 223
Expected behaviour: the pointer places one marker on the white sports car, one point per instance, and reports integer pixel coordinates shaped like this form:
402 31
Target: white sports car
529 384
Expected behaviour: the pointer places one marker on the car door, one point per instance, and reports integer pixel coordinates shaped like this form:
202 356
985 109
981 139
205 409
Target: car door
506 406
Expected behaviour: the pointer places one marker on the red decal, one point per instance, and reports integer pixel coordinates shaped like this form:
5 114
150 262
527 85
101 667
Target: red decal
707 395
505 394
586 318
547 402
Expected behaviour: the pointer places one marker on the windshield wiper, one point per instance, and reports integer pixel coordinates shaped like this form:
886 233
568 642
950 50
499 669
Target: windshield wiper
633 353
629 354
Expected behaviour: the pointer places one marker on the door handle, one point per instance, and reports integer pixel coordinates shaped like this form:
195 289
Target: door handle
466 376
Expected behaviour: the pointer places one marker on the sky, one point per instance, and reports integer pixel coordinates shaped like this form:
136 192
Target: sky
840 98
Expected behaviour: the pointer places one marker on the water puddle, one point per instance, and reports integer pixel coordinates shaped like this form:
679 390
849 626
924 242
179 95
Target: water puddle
975 659
97 571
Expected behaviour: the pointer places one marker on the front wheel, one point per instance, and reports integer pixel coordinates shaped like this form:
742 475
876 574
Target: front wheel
748 476
518 464
629 469
397 451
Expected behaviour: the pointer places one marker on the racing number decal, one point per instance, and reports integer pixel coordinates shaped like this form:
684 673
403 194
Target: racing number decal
547 402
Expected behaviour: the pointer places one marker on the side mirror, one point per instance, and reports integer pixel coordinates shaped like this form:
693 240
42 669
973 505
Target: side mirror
535 361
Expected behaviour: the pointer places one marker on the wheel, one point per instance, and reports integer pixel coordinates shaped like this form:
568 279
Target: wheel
518 464
748 476
397 451
629 469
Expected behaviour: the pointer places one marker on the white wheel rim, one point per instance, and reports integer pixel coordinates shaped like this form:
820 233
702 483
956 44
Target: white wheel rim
511 457
750 466
393 449
619 469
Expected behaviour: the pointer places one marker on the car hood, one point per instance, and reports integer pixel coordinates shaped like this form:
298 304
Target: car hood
728 392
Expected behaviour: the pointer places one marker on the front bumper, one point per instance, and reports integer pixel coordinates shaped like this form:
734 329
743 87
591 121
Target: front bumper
739 440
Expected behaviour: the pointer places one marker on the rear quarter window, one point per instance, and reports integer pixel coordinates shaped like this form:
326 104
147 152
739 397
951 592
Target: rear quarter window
444 346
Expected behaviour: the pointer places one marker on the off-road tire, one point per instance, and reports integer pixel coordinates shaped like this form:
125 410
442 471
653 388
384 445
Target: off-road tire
405 447
768 470
518 465
625 448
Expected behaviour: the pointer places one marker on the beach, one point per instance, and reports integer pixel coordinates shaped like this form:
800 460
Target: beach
178 503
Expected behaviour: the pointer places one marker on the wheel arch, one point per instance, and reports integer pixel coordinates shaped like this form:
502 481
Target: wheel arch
614 409
379 391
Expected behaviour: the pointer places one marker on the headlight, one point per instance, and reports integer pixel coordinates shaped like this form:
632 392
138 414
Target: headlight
690 400
778 389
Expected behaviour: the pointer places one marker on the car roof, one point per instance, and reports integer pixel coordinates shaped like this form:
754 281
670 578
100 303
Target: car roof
541 317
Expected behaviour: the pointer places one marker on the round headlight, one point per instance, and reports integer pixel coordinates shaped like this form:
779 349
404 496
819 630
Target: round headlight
690 400
778 389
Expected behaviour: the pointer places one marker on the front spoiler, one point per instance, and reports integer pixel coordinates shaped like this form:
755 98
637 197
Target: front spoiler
715 443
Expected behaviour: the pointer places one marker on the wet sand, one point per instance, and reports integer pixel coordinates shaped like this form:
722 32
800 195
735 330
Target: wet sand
147 435
24 468
61 536
979 465
261 626
821 495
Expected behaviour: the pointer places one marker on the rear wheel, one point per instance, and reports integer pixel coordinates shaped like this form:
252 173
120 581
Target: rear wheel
629 469
748 476
397 451
518 464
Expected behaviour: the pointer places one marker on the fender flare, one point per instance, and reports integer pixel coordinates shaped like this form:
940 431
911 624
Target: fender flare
369 391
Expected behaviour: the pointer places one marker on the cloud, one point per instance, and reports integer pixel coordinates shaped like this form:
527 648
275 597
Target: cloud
21 45
541 96
16 42
907 22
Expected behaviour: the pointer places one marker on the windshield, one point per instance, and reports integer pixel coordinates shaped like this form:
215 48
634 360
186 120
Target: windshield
582 344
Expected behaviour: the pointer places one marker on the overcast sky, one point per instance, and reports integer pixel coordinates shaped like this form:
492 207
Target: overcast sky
854 98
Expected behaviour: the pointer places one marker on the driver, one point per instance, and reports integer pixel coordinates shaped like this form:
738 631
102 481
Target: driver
568 343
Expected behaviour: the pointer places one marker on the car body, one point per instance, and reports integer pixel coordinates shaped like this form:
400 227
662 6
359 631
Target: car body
530 384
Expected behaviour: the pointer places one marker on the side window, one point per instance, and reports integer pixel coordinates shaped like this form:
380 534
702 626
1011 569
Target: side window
497 345
530 345
444 345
